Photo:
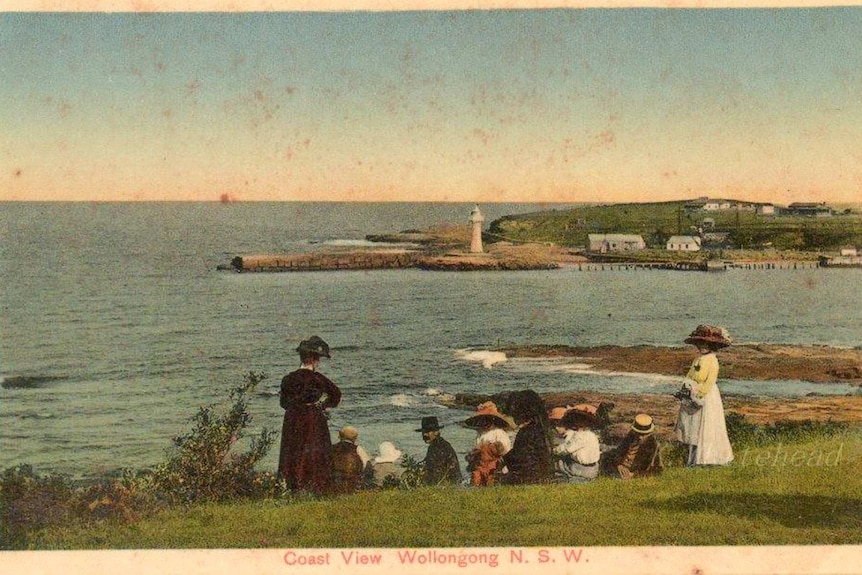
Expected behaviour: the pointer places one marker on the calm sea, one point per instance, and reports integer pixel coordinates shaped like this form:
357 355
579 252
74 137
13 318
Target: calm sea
115 325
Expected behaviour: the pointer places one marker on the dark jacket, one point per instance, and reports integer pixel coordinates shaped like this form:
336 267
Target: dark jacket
441 463
641 457
347 467
304 460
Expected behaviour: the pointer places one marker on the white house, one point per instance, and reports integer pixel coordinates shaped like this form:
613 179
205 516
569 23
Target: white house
711 206
851 251
683 243
604 243
766 209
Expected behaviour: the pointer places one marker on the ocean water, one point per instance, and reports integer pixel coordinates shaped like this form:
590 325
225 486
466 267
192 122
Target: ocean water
115 325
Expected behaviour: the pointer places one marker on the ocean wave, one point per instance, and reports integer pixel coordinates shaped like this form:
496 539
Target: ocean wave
428 398
487 358
37 416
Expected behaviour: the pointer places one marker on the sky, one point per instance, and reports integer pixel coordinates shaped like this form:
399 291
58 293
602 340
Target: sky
567 105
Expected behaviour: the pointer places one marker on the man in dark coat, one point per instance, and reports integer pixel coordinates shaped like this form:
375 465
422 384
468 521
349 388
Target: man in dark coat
441 462
305 459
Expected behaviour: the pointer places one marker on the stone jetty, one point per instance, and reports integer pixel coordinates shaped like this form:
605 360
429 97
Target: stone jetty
322 261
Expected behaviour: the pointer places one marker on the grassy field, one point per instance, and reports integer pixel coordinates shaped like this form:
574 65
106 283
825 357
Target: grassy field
658 221
806 492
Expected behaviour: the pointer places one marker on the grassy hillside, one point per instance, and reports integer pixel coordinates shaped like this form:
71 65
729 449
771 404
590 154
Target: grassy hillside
777 493
658 221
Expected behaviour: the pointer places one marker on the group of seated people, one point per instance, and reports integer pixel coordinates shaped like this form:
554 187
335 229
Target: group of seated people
520 444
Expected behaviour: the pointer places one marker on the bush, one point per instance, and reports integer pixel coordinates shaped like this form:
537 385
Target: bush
30 502
745 433
204 467
413 475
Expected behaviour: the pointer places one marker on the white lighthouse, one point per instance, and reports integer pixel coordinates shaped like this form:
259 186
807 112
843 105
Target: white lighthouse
476 219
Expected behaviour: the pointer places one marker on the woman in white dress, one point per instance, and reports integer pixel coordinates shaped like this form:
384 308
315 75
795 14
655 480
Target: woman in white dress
700 424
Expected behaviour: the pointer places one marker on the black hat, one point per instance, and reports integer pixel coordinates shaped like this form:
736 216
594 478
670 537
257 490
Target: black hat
314 345
430 424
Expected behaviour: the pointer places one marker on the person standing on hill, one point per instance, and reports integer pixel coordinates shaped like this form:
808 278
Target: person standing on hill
700 424
441 461
305 460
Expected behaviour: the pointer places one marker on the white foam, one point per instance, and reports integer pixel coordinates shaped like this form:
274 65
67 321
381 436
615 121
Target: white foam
401 400
487 358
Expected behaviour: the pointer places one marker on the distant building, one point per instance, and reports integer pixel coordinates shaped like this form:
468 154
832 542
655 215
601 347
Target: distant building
708 224
712 206
851 251
683 243
695 205
604 243
818 210
766 209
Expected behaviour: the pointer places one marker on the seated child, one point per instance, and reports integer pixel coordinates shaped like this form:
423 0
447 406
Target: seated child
485 460
578 453
638 455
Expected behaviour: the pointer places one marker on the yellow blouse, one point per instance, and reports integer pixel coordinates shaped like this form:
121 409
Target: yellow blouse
704 372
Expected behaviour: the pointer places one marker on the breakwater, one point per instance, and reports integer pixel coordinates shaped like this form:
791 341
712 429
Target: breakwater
353 260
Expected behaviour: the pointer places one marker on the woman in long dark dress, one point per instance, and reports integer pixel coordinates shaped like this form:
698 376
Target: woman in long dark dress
305 457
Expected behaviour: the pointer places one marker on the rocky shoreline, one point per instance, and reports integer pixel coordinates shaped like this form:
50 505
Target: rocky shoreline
759 362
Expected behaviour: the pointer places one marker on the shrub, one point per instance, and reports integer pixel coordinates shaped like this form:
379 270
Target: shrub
742 432
413 475
204 466
31 502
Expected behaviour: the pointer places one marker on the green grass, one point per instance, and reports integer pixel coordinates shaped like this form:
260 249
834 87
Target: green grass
775 494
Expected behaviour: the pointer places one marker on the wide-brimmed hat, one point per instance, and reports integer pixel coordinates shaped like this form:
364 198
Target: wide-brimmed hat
388 453
557 413
430 423
710 334
579 418
348 432
643 424
586 407
488 414
314 345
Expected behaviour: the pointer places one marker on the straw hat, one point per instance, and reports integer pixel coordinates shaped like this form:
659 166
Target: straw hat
388 453
349 433
586 407
709 334
557 413
643 424
488 414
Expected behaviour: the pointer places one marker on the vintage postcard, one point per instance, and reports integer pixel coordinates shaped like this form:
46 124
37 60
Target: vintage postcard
296 287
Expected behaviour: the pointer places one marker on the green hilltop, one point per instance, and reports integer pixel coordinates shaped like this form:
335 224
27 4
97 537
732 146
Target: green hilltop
736 224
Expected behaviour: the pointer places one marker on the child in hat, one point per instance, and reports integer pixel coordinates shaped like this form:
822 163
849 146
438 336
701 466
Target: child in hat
485 460
639 453
385 468
579 450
